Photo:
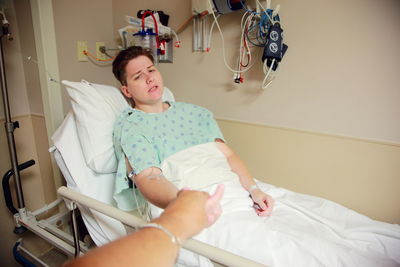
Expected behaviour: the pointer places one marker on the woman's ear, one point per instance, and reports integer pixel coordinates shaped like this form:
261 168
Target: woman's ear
125 91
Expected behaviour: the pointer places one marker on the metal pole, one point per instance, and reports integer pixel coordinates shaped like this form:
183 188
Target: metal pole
75 230
10 127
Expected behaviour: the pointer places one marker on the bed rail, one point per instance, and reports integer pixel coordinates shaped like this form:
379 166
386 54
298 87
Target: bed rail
213 253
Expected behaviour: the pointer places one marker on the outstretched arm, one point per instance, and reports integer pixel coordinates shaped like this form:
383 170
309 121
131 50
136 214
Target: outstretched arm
264 201
186 216
153 185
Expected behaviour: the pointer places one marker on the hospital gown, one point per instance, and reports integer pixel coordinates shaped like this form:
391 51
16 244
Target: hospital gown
148 138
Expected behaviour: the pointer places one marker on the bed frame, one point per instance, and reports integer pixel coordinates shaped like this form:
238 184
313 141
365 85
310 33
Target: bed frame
215 254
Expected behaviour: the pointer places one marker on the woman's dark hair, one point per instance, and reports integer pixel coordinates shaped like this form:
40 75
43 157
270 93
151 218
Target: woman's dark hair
123 59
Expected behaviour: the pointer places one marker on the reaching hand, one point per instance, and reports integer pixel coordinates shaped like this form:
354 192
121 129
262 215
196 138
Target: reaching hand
264 202
192 211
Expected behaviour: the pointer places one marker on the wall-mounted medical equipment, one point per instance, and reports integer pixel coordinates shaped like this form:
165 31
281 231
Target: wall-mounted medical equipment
201 24
260 27
149 30
227 6
219 6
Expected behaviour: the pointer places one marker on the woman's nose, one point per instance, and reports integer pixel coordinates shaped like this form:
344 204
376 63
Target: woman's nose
149 78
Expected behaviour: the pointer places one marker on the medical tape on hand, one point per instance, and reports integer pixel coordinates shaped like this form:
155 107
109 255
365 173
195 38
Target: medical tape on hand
131 174
252 188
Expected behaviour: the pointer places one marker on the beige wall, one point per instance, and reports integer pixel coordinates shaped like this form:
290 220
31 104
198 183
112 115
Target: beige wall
29 57
90 21
43 158
359 174
330 81
13 62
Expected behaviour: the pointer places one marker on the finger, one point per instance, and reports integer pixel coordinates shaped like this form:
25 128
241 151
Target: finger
268 211
184 189
271 202
214 215
216 197
263 204
264 213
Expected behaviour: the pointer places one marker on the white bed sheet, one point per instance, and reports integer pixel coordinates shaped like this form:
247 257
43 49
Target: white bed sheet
302 231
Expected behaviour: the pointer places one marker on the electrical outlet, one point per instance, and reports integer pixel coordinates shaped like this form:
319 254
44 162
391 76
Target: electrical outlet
99 54
82 46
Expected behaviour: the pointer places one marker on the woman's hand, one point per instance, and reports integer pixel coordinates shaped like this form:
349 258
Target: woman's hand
264 202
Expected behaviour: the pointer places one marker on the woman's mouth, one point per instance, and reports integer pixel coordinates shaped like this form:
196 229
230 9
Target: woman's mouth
153 89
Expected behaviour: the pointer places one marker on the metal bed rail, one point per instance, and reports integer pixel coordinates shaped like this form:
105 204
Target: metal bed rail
215 254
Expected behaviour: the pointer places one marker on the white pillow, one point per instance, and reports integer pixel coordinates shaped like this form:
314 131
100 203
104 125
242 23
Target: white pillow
96 107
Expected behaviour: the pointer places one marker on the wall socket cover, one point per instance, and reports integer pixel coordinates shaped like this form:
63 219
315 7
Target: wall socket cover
82 46
99 54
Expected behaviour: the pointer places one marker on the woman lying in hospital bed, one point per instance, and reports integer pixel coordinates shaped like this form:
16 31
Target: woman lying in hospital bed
152 130
165 146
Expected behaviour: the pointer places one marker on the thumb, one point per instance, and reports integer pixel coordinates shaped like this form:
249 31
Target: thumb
216 197
213 207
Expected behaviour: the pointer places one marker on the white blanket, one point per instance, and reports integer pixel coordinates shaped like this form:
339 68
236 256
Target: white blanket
302 231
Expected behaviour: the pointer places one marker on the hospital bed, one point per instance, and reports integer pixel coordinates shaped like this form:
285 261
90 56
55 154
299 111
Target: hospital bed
92 191
300 224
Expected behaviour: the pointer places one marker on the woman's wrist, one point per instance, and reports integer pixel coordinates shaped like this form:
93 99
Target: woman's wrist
253 188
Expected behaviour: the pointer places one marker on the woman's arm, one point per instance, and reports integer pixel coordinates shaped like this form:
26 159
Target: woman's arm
183 218
264 201
153 185
155 188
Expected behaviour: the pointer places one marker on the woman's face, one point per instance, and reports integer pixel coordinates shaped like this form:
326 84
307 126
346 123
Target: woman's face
144 82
